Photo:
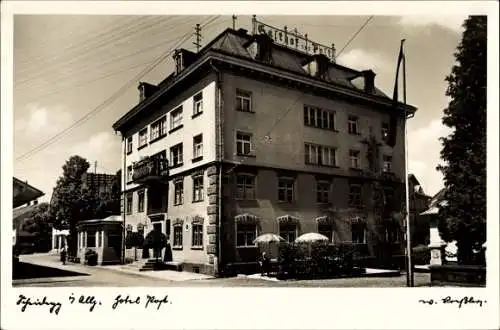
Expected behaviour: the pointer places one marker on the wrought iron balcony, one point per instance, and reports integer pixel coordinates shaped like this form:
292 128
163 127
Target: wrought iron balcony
150 170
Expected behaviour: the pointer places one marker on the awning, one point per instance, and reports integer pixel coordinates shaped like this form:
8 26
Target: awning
246 218
287 219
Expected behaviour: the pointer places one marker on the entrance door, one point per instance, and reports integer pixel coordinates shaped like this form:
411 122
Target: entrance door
115 242
157 226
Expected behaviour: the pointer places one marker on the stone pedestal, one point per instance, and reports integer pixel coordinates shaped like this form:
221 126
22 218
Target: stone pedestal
437 248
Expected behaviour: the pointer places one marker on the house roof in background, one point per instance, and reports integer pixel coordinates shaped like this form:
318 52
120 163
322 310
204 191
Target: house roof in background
24 193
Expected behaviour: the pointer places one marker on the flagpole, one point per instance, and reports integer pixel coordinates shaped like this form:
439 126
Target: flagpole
409 276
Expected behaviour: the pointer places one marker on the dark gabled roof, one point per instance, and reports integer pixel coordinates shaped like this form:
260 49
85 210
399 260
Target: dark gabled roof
231 42
27 193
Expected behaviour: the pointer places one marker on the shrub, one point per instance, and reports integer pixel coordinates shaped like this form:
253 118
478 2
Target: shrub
155 240
91 257
421 255
134 240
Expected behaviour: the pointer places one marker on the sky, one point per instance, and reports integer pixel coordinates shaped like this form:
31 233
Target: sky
67 65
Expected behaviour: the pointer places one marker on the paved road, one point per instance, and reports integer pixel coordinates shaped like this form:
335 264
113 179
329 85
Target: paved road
102 277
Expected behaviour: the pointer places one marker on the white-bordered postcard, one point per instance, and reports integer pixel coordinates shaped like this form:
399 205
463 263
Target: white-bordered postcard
249 165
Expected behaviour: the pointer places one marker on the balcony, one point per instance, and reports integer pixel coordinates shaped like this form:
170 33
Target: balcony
150 170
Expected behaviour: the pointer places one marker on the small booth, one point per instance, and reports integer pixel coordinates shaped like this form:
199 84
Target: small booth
59 239
103 236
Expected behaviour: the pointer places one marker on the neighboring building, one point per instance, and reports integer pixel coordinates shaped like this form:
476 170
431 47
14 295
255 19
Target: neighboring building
419 202
249 136
27 195
100 182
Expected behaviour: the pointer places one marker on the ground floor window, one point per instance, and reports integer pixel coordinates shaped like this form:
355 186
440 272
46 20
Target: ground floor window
288 232
326 230
177 236
392 234
197 236
245 234
358 232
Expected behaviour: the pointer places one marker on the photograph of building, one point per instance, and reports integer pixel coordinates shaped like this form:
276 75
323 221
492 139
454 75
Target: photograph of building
251 135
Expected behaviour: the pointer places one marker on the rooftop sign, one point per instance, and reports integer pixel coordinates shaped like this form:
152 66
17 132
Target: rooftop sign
293 39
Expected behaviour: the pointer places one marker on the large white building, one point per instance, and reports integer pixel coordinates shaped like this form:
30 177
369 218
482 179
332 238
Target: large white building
251 135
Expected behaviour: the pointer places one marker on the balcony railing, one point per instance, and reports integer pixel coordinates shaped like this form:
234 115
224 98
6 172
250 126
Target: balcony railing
150 170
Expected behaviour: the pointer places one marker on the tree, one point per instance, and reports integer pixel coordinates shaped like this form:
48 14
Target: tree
70 202
39 223
463 218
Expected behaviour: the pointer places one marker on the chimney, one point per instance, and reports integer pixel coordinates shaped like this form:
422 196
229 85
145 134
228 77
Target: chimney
264 50
242 32
369 77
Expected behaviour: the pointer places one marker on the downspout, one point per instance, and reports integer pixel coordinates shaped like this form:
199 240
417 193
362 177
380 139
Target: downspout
124 173
220 158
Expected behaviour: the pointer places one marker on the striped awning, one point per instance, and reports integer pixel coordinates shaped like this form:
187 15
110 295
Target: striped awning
287 219
325 220
246 218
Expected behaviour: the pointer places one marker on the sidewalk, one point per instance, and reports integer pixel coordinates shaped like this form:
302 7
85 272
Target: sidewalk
50 260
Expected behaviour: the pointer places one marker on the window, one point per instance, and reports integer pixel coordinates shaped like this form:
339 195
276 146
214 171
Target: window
326 230
392 234
288 232
243 101
387 163
243 143
176 155
129 203
320 155
354 158
129 144
130 173
197 235
91 240
245 234
198 146
245 186
197 188
198 104
354 194
322 191
177 236
352 125
319 118
286 190
358 233
176 118
140 201
178 192
158 129
385 132
143 137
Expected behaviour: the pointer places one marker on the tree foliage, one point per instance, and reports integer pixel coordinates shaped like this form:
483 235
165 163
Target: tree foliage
72 201
464 217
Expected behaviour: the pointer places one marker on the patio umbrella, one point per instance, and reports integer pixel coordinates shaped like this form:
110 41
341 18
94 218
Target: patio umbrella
268 238
311 237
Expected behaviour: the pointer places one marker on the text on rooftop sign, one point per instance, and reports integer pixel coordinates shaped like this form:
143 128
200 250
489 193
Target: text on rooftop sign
294 40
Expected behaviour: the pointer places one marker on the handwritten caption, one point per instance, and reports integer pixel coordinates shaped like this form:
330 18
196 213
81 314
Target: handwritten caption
91 302
458 302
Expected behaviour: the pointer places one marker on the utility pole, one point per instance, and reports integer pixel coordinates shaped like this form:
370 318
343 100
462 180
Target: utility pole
234 22
197 33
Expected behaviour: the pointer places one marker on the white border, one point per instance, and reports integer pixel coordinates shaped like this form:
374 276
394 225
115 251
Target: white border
255 308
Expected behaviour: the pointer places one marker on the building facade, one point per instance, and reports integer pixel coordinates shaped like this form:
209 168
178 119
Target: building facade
249 137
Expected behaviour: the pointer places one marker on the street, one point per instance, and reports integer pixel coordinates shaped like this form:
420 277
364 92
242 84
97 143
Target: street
85 276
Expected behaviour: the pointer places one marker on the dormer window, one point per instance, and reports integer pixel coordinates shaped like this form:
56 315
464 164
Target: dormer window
179 65
317 66
183 58
260 48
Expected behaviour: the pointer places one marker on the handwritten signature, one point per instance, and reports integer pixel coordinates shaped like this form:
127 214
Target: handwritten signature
457 301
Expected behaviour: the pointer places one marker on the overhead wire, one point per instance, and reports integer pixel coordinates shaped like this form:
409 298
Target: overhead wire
110 99
355 35
85 68
110 40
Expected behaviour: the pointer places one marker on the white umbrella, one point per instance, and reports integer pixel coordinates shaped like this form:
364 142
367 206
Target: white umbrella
268 238
311 237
